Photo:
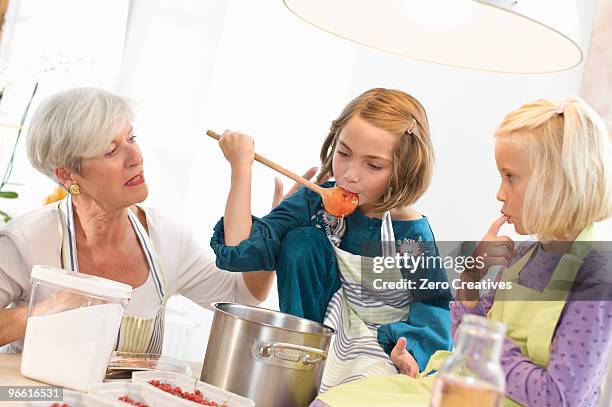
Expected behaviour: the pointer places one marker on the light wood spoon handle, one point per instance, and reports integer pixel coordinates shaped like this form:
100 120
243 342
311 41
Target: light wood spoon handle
276 167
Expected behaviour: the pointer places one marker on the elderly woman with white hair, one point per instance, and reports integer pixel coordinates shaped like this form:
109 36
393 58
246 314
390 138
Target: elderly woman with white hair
83 139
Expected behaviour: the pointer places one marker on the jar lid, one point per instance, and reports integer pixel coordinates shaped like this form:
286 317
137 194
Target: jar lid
83 282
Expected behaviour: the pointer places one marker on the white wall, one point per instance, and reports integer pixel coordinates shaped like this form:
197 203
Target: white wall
57 44
260 69
254 66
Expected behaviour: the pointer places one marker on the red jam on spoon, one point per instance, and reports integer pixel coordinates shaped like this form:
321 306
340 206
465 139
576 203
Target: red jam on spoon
339 202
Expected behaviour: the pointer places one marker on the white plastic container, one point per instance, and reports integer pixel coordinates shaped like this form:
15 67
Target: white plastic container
73 322
110 392
213 393
77 399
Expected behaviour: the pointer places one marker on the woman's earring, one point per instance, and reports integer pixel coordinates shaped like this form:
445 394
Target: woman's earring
74 189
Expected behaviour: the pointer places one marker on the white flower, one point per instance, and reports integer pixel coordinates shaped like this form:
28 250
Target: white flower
413 248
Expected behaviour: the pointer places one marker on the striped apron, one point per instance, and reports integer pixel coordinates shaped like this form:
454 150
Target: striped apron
139 335
356 312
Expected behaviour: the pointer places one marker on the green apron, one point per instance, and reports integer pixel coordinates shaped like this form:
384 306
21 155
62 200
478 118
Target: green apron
530 316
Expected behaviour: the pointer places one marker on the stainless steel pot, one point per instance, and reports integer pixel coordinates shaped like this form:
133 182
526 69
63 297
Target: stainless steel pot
273 358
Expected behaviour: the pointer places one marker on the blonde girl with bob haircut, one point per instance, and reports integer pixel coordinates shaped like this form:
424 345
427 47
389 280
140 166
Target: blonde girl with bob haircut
569 154
554 161
379 148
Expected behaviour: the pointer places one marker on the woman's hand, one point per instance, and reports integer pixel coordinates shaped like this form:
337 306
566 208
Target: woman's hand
64 300
238 148
12 324
404 361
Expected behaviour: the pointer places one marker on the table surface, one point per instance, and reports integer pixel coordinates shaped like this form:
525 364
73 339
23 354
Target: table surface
10 373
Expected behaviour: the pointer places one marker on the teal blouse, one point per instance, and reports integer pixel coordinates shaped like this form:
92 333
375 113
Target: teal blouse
427 328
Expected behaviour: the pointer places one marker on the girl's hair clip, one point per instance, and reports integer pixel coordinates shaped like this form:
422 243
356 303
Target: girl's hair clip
560 109
412 127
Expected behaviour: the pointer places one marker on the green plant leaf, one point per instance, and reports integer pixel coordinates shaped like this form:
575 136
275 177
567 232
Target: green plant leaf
5 216
8 194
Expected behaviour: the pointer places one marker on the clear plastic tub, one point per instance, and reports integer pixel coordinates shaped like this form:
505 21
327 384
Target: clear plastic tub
138 392
75 399
189 384
73 322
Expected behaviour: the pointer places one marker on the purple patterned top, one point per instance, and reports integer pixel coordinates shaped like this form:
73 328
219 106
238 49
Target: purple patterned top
580 344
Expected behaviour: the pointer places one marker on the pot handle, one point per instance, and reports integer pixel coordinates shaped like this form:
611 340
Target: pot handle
272 349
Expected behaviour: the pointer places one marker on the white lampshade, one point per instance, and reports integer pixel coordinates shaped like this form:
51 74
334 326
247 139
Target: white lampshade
528 36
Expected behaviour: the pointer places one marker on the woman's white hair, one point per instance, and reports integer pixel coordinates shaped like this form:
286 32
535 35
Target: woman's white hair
72 125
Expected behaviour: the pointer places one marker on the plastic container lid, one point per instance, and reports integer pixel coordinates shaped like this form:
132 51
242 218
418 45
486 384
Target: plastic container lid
83 282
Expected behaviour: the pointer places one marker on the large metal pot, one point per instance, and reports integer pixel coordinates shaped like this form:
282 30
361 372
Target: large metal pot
273 358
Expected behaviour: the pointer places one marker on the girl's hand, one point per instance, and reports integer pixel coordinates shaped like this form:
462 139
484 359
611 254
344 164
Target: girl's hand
496 250
238 148
403 359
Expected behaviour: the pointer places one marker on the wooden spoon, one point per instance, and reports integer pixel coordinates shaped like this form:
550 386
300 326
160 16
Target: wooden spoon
337 201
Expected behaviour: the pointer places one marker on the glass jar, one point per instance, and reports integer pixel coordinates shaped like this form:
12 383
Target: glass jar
472 375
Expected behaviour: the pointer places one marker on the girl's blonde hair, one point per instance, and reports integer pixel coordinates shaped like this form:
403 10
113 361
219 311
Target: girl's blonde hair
401 114
569 152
